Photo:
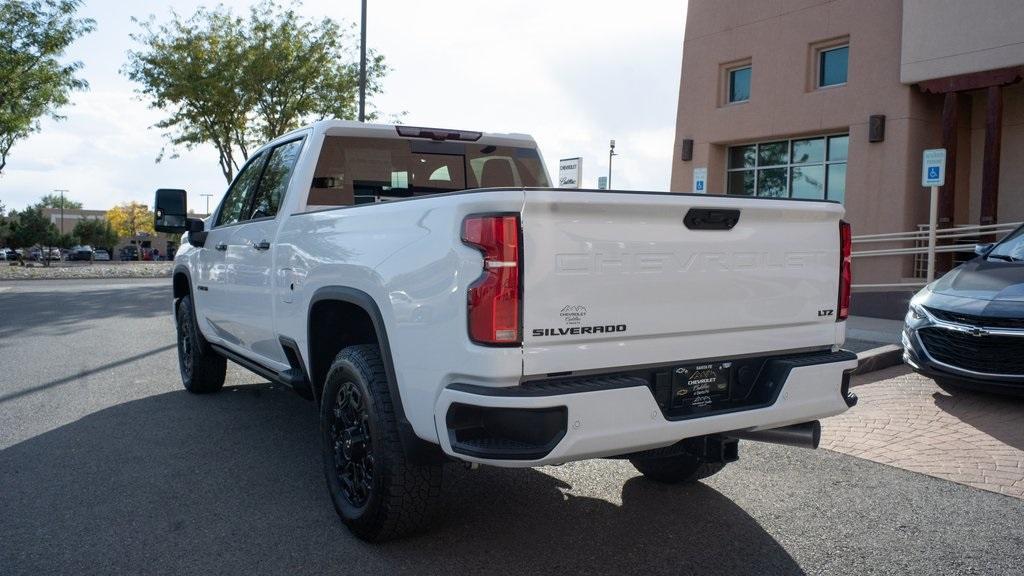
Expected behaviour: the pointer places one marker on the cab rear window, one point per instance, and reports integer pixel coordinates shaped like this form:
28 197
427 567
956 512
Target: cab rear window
368 170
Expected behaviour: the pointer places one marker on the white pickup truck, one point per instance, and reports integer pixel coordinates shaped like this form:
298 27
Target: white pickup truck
442 303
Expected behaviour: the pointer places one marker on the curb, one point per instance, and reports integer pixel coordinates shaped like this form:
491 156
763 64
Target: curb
878 358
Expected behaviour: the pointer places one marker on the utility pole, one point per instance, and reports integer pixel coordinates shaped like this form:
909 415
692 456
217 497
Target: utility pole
362 66
61 209
207 196
611 152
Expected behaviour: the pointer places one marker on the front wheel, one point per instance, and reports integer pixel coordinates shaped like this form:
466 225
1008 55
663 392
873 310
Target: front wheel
202 369
377 492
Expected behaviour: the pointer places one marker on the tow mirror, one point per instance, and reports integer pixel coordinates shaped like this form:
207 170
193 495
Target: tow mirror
982 249
171 215
171 211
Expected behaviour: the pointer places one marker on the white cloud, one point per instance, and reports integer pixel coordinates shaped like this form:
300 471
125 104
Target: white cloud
571 73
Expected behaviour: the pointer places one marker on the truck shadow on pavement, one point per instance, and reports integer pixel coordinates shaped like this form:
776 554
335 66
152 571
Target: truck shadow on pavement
232 483
50 313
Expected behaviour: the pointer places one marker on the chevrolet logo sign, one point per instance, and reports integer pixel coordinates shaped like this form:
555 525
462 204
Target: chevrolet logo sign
978 332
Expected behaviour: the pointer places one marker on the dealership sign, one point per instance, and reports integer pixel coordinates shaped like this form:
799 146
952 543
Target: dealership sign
570 172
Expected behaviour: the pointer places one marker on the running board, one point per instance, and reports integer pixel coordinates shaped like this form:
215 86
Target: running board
294 378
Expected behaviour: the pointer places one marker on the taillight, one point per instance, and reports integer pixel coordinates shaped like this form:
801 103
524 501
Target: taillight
493 300
845 269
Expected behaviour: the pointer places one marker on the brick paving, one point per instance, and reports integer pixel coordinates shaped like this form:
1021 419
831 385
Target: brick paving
908 421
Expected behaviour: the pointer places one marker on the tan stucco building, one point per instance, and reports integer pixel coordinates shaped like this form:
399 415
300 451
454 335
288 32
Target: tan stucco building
838 99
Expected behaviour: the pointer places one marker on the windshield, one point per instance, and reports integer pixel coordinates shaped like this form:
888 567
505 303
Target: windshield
1012 247
367 170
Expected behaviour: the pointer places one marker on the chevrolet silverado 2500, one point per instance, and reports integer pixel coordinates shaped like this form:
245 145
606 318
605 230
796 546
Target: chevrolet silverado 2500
440 302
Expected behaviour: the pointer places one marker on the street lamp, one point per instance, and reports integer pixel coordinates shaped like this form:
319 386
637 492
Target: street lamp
611 152
362 66
207 196
61 209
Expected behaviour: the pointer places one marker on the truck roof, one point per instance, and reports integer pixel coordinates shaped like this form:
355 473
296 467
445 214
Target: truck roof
352 128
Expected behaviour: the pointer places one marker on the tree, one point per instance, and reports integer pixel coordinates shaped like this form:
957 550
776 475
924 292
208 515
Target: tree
235 82
33 82
33 228
129 219
97 233
5 226
54 201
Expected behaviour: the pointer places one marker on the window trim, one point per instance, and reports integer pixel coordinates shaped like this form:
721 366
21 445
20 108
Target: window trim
789 165
728 89
725 81
818 51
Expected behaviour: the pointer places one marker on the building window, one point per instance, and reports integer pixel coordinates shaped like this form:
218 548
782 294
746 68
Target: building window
801 168
739 84
832 66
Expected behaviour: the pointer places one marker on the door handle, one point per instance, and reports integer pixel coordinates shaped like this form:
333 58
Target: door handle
262 245
222 246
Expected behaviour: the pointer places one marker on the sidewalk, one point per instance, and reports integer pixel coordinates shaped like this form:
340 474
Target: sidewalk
864 333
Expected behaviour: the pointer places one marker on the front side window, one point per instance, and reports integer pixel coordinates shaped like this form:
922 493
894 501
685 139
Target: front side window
241 191
739 84
813 168
832 66
274 183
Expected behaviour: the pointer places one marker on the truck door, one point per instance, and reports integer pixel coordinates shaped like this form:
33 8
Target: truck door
249 291
215 308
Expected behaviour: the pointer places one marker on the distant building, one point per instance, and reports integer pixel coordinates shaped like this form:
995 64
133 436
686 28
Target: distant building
838 98
165 243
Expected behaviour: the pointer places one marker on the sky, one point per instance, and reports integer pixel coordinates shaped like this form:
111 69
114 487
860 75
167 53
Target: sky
572 73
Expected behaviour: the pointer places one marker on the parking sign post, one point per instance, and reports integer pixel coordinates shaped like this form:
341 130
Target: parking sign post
933 175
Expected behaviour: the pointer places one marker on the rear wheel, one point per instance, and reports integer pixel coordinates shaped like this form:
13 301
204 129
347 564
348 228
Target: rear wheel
675 469
202 369
377 492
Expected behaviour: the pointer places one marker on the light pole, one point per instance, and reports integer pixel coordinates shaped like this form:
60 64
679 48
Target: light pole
207 196
611 152
362 66
61 209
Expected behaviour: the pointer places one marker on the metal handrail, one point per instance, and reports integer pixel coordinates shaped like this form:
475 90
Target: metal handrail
922 236
940 233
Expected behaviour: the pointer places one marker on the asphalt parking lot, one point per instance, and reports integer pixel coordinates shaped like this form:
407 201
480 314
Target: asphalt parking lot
108 466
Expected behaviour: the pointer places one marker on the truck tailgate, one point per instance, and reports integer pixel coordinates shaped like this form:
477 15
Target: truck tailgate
617 279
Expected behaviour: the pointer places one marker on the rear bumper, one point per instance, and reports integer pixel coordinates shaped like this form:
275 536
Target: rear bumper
611 415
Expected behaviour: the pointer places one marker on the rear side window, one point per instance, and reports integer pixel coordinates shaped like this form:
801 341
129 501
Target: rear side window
274 183
241 191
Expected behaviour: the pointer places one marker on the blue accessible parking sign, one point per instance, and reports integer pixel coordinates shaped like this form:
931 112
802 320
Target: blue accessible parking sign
933 167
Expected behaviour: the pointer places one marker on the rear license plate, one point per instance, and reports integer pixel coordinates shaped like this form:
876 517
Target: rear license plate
701 385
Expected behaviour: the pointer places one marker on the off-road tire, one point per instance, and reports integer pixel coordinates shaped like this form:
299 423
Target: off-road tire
202 369
401 497
675 469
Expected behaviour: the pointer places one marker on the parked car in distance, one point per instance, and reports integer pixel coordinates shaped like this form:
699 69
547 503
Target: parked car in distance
128 254
967 328
80 253
101 256
8 254
55 254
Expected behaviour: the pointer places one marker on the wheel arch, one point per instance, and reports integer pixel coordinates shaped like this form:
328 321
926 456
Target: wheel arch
361 323
181 281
